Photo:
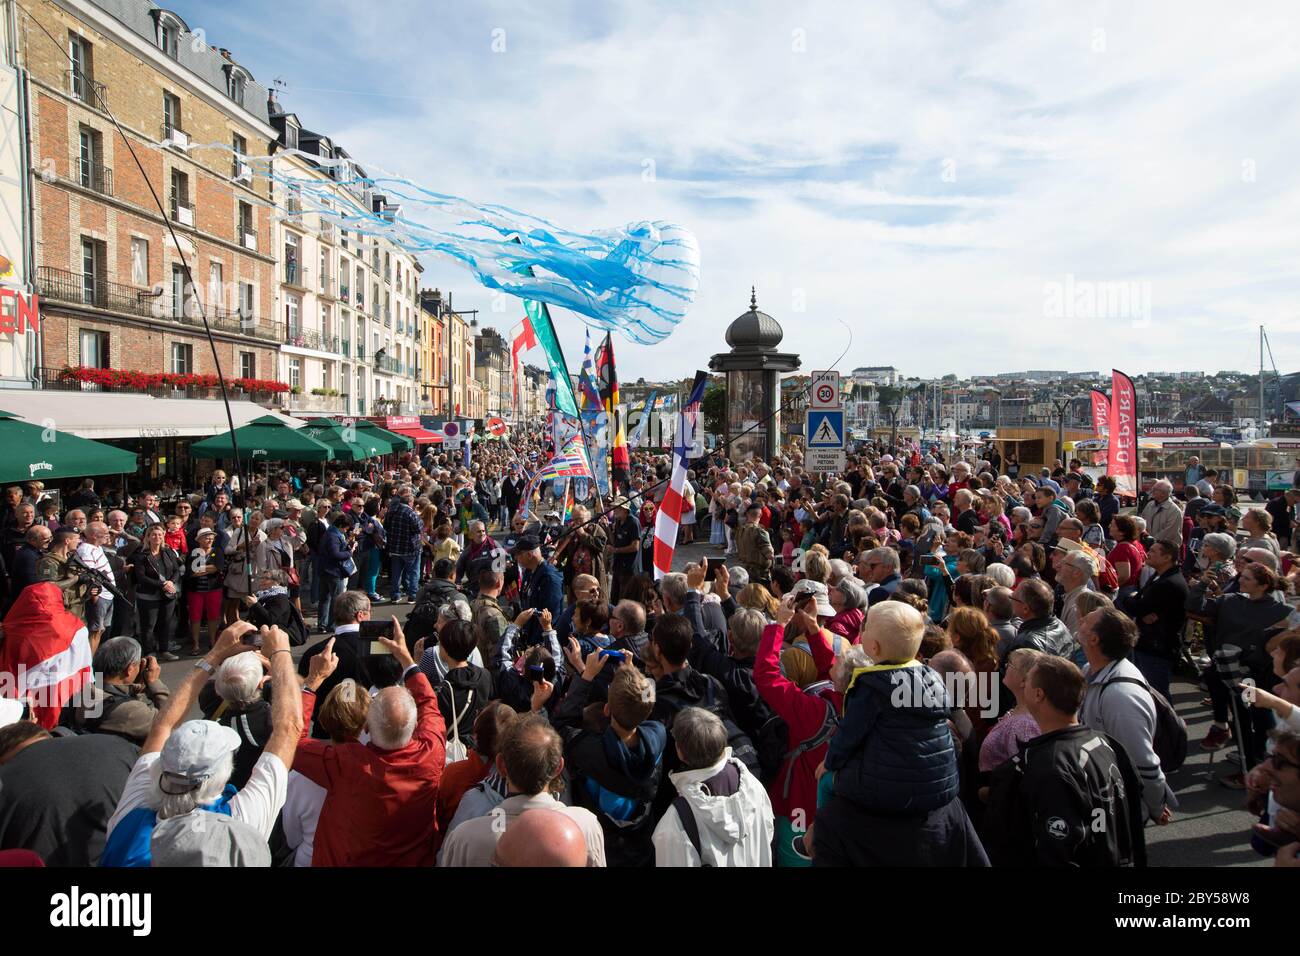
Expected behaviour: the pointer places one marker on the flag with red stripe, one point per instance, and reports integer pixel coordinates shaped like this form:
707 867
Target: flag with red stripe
670 511
522 338
45 656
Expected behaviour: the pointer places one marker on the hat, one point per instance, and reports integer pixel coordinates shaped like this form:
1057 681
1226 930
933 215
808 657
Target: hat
192 752
1212 510
620 502
526 542
818 590
1065 544
293 504
200 838
205 532
886 457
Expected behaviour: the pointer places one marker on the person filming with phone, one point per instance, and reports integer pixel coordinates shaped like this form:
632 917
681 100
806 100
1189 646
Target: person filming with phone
351 609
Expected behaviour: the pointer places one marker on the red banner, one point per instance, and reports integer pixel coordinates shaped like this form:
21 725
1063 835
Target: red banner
1122 463
1100 412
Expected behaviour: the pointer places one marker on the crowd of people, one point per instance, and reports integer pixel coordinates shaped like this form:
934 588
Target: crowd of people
924 660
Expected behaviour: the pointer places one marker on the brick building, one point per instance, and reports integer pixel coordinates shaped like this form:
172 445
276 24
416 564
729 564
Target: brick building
114 292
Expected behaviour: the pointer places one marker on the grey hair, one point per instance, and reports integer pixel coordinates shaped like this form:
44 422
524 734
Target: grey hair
700 737
1164 484
739 577
239 678
276 575
840 569
1001 574
455 610
746 629
912 491
1225 544
886 556
1021 512
391 720
178 804
116 655
1082 561
855 656
855 595
479 525
349 604
673 588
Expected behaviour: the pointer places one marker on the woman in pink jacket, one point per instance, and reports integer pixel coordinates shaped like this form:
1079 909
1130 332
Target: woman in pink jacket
811 712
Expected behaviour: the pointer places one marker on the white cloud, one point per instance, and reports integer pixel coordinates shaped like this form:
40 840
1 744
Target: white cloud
1100 140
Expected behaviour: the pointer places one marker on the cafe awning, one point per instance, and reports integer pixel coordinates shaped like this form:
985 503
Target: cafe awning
104 415
36 452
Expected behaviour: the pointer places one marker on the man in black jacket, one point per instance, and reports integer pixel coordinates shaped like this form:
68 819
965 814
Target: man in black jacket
1159 608
1069 797
679 685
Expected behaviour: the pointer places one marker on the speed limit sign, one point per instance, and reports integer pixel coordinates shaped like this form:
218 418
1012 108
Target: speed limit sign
825 390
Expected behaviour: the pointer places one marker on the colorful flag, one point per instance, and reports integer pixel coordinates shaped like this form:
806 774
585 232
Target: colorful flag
670 512
1100 412
45 656
1121 462
637 437
539 319
607 376
588 393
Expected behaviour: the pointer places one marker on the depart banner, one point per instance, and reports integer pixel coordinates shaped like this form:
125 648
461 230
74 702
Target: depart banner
1122 462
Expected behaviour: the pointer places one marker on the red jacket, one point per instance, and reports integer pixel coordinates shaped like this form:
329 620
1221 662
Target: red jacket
803 713
381 804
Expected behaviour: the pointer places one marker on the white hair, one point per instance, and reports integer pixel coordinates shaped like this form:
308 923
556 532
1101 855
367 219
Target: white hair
391 720
840 569
239 678
1164 484
455 610
1001 574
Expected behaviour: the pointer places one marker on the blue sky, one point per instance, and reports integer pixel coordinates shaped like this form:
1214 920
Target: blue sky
925 174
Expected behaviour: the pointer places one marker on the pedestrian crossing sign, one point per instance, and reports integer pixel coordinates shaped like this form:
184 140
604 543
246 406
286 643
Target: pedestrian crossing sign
824 428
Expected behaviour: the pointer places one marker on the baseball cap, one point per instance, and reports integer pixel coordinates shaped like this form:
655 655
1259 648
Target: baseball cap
293 504
818 590
527 542
1212 510
192 752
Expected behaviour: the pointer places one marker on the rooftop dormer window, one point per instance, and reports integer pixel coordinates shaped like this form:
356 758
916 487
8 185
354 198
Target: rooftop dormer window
169 28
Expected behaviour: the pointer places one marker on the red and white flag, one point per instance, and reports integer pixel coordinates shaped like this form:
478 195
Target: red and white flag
670 511
522 338
45 656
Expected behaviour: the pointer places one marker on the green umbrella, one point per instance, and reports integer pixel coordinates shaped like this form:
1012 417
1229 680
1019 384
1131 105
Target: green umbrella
347 444
267 438
35 453
399 442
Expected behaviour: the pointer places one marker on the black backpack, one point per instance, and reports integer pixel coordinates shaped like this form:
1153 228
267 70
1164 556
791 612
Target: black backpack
1170 743
742 748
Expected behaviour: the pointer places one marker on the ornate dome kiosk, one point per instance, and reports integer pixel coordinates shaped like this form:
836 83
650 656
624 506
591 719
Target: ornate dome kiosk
753 368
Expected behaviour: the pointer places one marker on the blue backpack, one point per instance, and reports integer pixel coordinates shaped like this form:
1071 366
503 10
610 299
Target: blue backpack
128 844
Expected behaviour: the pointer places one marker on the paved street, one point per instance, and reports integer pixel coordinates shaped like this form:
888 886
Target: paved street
1210 828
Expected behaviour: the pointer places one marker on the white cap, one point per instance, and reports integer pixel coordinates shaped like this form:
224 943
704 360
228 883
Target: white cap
818 590
192 752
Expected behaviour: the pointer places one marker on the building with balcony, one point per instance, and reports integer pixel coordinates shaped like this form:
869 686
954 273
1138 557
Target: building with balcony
108 266
492 368
347 301
454 353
